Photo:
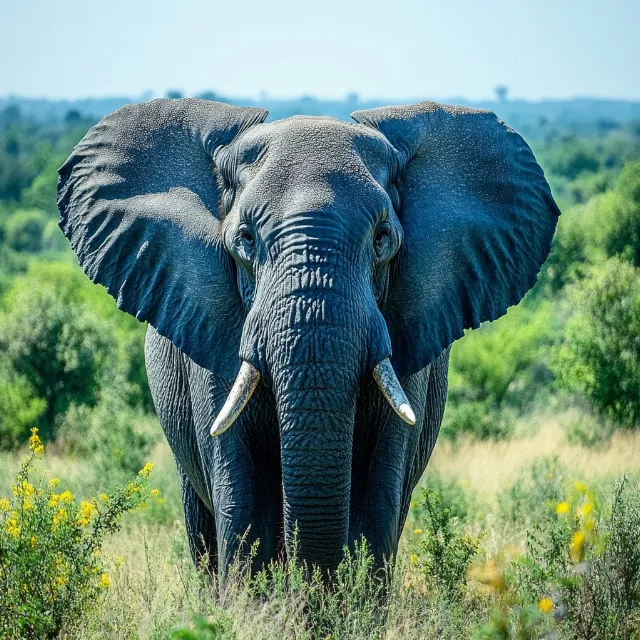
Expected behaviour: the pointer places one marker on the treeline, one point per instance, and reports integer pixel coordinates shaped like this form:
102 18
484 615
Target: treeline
73 365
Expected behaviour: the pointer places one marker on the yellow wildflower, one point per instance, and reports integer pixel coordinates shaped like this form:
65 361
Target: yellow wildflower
4 504
27 489
580 487
490 573
53 483
155 493
54 498
414 558
562 508
60 516
34 541
577 546
145 472
27 505
35 444
417 531
105 581
585 509
87 509
61 580
12 527
160 501
545 605
66 496
103 497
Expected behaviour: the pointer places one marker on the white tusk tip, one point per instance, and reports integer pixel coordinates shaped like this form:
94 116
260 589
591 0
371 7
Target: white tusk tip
406 413
216 429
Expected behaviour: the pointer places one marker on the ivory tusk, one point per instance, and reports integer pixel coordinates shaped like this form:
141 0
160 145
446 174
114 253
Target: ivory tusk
243 388
386 379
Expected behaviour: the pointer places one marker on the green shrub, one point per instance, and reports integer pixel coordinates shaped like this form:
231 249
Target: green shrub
59 347
599 359
51 570
589 432
24 230
67 340
536 488
443 552
116 436
620 219
498 371
587 565
20 409
462 503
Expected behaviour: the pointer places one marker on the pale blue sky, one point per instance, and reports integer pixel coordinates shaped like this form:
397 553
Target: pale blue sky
379 48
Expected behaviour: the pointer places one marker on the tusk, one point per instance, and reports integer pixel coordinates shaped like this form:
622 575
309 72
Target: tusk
243 388
387 381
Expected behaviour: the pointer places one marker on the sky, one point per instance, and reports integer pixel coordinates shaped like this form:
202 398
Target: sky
378 48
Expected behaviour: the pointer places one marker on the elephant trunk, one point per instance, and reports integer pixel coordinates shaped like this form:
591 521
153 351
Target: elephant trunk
316 426
313 338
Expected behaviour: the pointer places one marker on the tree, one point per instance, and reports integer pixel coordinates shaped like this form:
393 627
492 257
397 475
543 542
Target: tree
57 344
501 91
599 359
24 230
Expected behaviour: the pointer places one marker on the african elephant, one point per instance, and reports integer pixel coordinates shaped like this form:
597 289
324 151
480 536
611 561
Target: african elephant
303 280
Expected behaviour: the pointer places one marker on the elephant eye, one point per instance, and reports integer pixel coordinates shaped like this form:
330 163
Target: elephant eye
382 242
244 246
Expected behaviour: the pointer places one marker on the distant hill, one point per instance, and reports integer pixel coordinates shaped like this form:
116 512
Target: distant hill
581 115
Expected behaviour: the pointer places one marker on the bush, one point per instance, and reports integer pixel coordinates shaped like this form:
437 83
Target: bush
57 344
24 230
536 489
19 409
498 371
587 565
65 338
114 435
51 569
620 221
443 553
599 359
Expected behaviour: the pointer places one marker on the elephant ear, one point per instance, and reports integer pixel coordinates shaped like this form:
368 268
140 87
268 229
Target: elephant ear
139 201
478 219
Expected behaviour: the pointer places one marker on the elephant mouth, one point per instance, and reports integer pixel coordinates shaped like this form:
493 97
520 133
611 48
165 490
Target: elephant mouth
248 378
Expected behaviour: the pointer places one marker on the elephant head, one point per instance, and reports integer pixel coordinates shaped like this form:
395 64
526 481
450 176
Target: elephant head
311 254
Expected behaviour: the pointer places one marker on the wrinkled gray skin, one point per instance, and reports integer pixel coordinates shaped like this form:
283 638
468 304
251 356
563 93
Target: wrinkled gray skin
312 249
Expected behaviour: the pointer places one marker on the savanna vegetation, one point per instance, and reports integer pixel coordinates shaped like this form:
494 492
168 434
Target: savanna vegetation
524 526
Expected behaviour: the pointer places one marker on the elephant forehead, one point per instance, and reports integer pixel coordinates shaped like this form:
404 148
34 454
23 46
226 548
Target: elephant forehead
314 164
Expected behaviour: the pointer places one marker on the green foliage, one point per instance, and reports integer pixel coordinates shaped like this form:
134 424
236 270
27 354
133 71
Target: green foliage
116 436
587 565
20 408
51 571
620 217
220 627
573 158
496 372
57 343
443 553
24 230
537 488
64 344
600 356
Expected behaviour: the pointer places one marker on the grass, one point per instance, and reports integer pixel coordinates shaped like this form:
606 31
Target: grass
155 589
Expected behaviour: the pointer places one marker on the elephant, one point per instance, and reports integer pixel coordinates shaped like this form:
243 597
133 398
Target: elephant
303 281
